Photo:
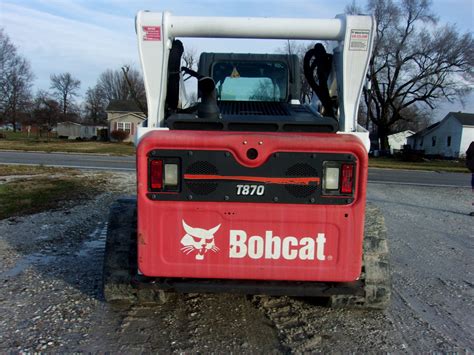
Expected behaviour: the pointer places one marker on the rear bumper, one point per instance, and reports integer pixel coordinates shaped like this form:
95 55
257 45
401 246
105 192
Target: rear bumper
252 287
251 241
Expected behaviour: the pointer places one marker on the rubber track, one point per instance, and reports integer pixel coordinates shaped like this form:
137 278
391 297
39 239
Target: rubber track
375 266
120 260
294 317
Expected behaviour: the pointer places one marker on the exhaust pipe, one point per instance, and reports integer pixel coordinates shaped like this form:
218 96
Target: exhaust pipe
208 106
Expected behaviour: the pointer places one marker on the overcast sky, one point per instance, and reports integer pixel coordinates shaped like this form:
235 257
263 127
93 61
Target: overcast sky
85 37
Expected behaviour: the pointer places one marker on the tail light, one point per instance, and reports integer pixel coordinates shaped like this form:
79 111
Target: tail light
347 181
164 175
338 178
156 174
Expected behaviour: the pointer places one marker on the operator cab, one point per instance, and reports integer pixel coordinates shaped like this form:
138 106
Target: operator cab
252 77
246 92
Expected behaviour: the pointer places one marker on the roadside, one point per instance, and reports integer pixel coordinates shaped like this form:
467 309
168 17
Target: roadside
21 142
27 189
452 166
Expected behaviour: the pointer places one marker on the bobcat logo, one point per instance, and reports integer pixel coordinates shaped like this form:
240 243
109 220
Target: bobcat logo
198 239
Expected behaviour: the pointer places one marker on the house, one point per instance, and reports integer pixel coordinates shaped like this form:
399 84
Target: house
73 130
124 116
448 138
396 141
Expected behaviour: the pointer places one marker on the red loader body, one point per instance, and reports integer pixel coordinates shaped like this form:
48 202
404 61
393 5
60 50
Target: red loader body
316 237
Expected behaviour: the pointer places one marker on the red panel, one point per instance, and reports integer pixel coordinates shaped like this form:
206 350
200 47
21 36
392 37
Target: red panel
251 240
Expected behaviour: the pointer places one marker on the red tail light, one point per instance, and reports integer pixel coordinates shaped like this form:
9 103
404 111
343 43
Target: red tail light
156 174
347 182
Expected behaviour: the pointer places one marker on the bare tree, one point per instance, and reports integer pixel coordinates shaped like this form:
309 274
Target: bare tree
415 64
16 79
189 58
46 111
95 104
136 88
114 84
265 91
65 88
300 49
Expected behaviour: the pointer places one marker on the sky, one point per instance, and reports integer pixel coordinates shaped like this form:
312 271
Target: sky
86 37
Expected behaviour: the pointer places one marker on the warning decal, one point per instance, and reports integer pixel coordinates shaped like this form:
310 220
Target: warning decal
151 33
359 40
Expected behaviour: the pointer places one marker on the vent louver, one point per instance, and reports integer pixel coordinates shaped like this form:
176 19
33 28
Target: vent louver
253 108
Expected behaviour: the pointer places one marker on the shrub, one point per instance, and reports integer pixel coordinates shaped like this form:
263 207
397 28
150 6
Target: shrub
102 134
119 136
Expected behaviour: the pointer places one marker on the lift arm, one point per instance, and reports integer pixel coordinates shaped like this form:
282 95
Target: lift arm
353 35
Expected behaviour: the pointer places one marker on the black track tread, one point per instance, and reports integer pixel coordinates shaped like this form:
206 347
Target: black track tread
120 260
375 267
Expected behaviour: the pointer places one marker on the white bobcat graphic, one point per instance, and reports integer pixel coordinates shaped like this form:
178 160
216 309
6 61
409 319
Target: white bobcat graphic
198 239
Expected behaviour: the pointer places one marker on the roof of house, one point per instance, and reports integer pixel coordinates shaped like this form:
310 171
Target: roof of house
466 119
426 130
138 115
69 123
122 106
402 133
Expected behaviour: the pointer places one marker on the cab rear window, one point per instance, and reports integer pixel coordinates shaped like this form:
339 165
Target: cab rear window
251 80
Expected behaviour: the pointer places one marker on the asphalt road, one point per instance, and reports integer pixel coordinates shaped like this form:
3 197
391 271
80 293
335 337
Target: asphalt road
419 178
105 162
82 161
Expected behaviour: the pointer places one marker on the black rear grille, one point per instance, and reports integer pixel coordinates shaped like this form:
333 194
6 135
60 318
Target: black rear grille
253 108
220 177
202 168
301 170
202 187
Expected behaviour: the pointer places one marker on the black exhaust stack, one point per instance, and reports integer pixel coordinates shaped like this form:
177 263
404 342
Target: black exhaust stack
208 106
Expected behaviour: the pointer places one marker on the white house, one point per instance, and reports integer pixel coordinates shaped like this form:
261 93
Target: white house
73 130
124 116
449 137
396 141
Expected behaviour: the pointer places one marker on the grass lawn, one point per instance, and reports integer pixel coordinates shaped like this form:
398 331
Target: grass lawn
453 166
9 170
21 141
26 190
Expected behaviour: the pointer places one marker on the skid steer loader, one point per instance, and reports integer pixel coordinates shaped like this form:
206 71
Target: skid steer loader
250 190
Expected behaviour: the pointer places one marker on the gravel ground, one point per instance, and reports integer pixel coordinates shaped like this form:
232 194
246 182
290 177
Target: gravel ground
431 238
51 263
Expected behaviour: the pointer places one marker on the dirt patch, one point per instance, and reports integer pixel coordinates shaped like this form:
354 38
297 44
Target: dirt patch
39 189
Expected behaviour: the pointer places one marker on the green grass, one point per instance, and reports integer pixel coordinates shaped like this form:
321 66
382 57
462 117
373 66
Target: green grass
21 141
9 170
453 166
39 191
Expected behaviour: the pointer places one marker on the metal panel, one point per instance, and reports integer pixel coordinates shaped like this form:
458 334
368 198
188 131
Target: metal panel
241 240
257 27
